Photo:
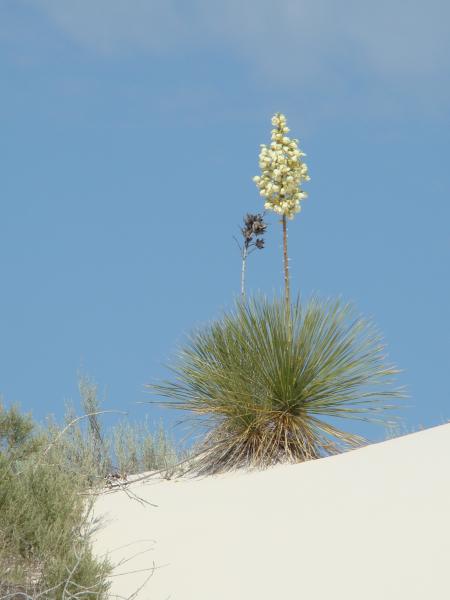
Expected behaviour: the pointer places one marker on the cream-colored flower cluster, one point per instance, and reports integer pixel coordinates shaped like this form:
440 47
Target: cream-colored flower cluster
282 171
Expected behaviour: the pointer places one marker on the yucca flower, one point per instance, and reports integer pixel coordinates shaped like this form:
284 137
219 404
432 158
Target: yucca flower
283 171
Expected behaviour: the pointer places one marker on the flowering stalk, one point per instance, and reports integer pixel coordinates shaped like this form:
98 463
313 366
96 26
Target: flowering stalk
287 289
282 173
252 232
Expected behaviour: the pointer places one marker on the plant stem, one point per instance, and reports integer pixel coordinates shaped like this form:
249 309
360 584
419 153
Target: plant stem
244 260
287 292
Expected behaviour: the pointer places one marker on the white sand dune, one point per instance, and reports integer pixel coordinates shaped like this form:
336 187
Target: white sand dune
370 524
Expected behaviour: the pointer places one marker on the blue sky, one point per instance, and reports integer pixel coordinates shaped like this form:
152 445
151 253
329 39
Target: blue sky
130 135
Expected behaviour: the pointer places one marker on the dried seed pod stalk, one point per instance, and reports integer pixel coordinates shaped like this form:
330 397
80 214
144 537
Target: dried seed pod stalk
252 232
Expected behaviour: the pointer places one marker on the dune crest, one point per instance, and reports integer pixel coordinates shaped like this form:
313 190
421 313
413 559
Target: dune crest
373 523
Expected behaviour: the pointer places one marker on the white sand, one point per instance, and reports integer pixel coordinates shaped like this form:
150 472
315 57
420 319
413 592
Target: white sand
370 524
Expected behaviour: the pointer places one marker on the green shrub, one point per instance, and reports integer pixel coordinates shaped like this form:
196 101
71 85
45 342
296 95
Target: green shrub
45 504
44 517
270 386
18 438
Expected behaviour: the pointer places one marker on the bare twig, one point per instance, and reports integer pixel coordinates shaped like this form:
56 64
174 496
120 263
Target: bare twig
61 433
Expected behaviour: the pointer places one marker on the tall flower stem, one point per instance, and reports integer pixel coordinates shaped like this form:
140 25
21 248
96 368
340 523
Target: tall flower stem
287 290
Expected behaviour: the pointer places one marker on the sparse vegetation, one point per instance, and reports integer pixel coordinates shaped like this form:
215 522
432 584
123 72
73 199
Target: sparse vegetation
45 513
270 380
44 533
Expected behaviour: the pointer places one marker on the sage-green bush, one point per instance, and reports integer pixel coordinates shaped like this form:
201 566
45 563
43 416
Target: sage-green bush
47 476
44 533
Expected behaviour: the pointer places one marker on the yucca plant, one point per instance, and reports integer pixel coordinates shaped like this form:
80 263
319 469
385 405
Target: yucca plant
270 386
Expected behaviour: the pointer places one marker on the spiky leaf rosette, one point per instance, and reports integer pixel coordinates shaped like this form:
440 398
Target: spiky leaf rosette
270 386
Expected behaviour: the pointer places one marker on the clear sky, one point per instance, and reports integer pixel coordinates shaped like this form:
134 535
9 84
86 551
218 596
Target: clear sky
130 134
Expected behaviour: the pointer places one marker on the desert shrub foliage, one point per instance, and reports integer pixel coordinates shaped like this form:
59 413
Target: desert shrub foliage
49 477
45 527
